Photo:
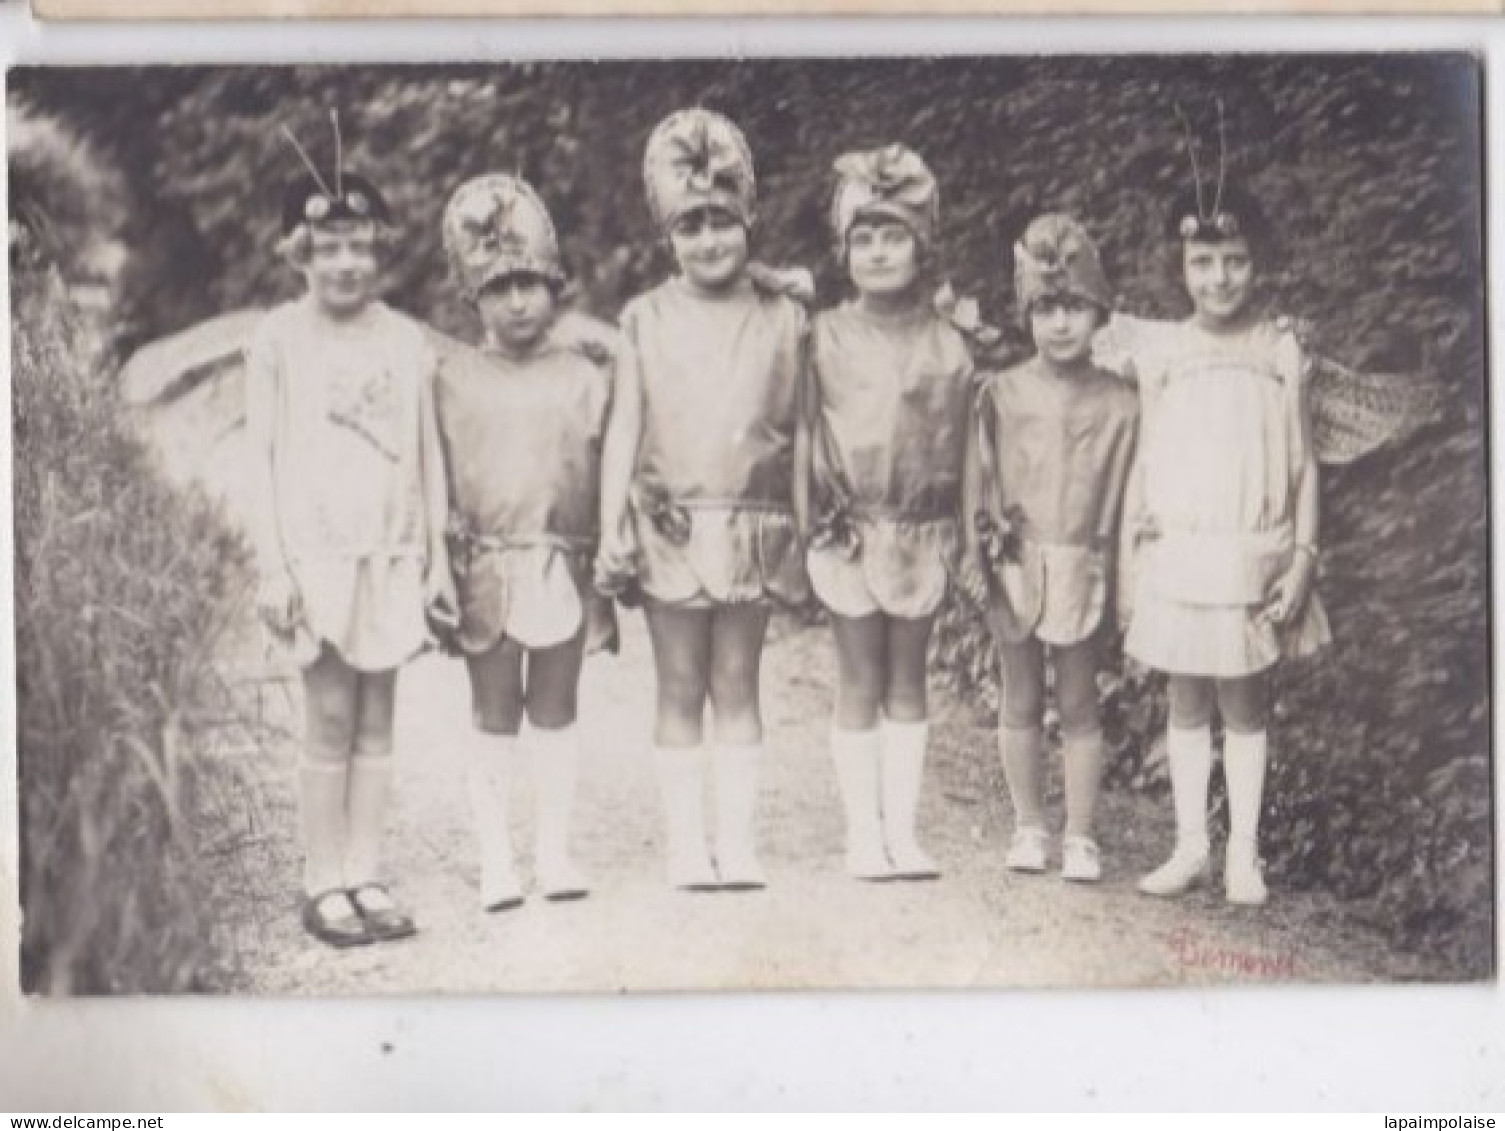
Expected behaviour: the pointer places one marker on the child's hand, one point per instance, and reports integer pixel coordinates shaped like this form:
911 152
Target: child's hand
1288 596
279 604
441 611
439 592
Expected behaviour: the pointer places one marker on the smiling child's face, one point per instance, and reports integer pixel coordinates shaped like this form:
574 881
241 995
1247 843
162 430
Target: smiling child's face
1219 278
1062 327
340 266
710 246
517 311
883 257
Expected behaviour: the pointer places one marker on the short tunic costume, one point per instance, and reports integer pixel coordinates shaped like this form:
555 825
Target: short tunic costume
891 399
1211 525
522 439
713 486
1054 455
344 406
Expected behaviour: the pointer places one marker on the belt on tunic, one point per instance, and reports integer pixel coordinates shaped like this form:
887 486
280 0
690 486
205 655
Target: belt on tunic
670 515
466 546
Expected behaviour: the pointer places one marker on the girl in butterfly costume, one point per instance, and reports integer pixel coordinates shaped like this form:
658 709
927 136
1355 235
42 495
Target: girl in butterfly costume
1051 453
348 531
1221 523
522 422
698 492
891 385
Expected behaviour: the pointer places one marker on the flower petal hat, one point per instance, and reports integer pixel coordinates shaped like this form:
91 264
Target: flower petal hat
496 225
697 158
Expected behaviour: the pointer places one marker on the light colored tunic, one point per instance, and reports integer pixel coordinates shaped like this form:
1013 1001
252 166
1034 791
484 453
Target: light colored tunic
713 485
522 442
1211 526
892 396
1055 455
337 411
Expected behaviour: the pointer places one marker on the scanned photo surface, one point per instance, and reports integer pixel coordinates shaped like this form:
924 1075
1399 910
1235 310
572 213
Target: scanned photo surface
402 9
705 524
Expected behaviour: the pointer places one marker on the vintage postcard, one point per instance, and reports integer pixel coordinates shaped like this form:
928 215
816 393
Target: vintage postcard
1007 521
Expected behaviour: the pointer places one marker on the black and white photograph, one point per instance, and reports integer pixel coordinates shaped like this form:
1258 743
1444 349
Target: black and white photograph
712 524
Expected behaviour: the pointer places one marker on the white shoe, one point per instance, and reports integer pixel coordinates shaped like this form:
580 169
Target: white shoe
1081 860
1243 879
1027 850
1184 870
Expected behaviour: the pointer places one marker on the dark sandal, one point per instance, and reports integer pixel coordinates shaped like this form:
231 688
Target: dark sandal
338 931
386 924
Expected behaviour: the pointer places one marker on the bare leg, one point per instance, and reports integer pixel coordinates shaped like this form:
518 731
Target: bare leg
861 670
1020 709
491 767
329 697
682 659
862 680
905 734
329 700
369 800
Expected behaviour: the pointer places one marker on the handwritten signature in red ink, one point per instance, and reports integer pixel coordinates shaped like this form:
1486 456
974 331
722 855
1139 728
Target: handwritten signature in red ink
1193 951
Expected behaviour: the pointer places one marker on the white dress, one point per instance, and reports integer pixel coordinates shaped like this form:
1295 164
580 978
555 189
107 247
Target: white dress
1209 527
338 411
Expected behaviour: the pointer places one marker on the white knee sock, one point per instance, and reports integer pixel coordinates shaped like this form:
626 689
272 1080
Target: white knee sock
491 768
736 774
1188 751
556 757
855 754
681 779
902 769
323 783
1244 760
366 805
1019 748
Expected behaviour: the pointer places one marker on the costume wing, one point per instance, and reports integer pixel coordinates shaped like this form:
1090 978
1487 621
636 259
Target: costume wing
186 395
171 367
1354 414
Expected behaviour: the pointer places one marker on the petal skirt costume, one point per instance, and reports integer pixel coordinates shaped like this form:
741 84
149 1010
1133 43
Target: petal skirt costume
891 399
522 441
713 485
1054 456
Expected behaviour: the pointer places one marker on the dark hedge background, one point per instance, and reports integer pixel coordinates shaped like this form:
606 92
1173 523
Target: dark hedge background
1371 166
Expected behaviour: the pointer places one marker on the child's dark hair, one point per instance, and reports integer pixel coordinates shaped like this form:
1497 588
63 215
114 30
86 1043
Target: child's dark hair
555 285
1228 212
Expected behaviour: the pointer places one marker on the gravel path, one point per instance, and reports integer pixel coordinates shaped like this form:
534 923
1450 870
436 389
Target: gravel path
812 927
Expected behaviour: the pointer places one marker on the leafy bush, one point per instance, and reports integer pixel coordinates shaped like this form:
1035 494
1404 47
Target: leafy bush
122 589
1371 167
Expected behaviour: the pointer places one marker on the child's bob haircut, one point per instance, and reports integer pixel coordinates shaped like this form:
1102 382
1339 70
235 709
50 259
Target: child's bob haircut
307 202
